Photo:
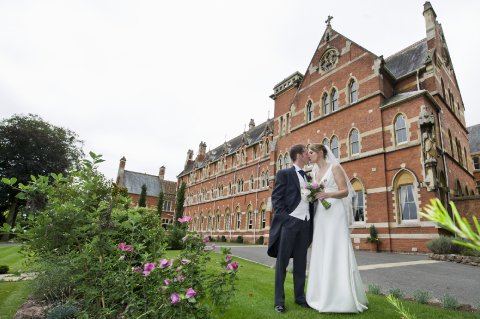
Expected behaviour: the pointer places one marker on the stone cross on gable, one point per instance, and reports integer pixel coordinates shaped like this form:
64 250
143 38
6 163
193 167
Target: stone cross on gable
328 20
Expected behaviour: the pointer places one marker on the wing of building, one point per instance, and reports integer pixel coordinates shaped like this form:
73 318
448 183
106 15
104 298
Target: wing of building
155 184
396 124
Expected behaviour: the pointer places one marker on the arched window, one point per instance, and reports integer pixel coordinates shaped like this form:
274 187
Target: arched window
263 216
267 150
458 188
459 152
451 143
252 182
263 180
250 217
465 157
334 96
228 219
287 125
325 104
309 111
326 142
443 90
287 160
280 162
280 126
406 195
353 91
254 151
238 220
400 129
354 142
358 201
334 146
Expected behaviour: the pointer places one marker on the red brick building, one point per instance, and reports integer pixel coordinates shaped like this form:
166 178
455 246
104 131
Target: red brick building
396 124
155 184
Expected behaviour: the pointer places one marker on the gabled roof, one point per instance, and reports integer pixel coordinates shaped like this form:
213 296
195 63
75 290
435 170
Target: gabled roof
474 138
400 97
247 138
133 181
408 59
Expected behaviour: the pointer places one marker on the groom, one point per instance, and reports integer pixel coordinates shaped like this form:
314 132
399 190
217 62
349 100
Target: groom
291 229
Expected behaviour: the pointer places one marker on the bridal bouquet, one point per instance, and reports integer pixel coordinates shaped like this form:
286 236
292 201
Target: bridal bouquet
311 189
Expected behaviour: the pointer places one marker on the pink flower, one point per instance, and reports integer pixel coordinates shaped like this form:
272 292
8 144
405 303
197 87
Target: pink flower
147 268
228 257
185 219
167 281
124 247
190 293
206 240
164 263
174 298
315 185
213 246
137 269
232 266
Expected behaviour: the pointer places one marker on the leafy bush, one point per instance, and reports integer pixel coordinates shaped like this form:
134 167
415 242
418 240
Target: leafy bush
4 269
175 234
373 238
239 239
396 292
443 245
374 289
63 311
421 296
260 240
449 302
109 260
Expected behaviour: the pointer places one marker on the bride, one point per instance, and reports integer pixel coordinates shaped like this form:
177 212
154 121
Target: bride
334 283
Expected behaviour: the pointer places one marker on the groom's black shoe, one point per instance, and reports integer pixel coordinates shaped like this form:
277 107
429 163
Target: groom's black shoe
280 309
304 305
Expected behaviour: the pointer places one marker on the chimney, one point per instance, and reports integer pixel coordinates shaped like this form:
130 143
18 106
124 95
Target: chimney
189 158
251 124
121 171
202 148
161 172
430 20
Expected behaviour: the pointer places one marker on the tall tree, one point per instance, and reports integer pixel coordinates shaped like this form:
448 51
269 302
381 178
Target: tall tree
179 203
142 201
30 146
160 203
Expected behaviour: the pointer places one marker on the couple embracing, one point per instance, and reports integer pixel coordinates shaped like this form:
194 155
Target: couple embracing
334 283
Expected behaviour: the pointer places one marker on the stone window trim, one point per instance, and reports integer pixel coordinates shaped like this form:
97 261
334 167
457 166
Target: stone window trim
405 177
334 100
359 186
325 104
354 141
335 146
352 95
309 111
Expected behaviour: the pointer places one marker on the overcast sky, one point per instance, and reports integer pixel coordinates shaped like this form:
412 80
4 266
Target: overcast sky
149 80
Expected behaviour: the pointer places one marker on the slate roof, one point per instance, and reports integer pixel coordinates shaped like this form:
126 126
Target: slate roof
397 98
408 59
133 181
474 138
248 138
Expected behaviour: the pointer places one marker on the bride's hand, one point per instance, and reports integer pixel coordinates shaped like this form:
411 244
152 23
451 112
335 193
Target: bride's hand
321 195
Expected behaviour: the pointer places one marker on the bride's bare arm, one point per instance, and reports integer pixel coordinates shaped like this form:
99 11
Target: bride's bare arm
341 183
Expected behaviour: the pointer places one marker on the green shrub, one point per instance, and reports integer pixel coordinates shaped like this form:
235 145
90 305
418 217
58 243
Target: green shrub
260 240
175 234
449 302
374 289
4 269
421 296
239 239
443 245
396 292
63 311
108 259
373 238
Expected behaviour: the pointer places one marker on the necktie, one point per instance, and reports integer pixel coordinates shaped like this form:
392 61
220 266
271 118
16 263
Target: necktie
302 172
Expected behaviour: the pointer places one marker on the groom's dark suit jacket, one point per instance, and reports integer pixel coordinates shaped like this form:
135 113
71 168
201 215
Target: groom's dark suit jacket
285 198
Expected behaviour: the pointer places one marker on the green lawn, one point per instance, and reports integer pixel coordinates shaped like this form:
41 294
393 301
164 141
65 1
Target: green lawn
10 256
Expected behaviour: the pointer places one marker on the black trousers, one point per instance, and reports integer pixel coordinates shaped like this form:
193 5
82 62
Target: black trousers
294 240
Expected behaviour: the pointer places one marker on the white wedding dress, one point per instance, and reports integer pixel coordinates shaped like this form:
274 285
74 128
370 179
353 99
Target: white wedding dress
334 282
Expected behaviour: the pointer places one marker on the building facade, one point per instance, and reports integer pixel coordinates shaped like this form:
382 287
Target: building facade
156 184
396 124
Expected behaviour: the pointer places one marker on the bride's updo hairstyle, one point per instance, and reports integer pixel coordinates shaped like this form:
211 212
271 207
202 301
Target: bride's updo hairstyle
318 148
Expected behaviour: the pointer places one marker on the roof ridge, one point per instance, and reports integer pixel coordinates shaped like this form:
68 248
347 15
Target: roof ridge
140 173
405 49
